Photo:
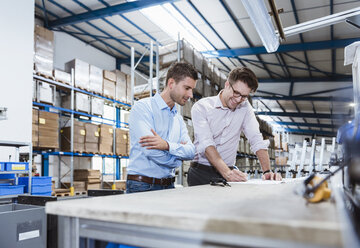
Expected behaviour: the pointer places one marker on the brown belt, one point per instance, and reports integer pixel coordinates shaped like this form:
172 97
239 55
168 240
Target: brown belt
152 180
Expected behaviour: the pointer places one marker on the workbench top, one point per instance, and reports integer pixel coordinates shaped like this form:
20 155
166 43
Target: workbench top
256 210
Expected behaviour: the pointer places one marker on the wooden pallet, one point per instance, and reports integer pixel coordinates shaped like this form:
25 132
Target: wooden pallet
67 193
108 96
44 75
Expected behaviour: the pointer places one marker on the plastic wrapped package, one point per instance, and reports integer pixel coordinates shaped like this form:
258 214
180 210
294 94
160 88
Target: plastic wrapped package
95 79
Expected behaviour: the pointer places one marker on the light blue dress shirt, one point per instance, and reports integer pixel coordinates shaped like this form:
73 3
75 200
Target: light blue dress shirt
154 113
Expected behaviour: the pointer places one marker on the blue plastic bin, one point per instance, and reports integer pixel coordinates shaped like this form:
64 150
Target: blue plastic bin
16 166
39 189
2 166
7 176
12 190
38 185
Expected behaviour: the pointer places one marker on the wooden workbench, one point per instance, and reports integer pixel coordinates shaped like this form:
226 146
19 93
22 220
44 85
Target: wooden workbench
237 215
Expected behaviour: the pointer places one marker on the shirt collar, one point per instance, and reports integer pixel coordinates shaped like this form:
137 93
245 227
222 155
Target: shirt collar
162 104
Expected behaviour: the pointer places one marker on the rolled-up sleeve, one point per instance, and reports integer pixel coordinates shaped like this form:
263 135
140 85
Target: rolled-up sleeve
185 151
202 129
252 132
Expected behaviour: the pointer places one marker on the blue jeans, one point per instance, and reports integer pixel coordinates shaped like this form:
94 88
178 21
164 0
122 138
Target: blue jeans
135 186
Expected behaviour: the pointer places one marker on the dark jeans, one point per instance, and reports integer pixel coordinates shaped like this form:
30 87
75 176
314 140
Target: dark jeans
135 186
199 174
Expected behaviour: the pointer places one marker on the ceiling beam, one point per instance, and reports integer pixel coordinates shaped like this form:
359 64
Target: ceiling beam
306 80
296 98
302 124
305 115
105 12
307 131
306 46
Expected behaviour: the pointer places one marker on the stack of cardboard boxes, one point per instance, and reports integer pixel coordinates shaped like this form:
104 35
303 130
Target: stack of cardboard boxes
109 82
106 139
91 138
78 185
79 137
122 142
45 127
90 177
281 156
44 50
81 73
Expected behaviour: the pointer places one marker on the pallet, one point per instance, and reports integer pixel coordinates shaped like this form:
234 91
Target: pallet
123 155
108 96
106 153
80 87
44 75
64 194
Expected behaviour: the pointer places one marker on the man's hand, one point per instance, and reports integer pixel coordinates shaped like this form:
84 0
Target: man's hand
271 176
236 176
154 142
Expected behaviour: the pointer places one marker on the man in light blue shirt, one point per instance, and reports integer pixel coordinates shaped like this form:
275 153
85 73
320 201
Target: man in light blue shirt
159 138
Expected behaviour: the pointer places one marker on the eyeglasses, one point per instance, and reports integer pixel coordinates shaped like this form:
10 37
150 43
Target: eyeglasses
238 94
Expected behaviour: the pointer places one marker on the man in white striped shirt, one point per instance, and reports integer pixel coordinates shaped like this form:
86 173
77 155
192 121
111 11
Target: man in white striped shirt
218 122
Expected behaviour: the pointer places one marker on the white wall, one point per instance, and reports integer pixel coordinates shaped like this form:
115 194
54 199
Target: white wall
67 48
16 62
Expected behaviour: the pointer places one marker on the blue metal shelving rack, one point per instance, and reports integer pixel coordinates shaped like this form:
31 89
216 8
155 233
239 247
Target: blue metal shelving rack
70 113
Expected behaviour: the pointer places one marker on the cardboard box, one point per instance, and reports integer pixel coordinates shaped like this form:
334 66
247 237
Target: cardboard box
207 88
105 148
199 88
81 102
122 142
79 137
43 50
97 106
198 61
44 33
110 75
186 111
95 79
45 133
121 86
277 140
119 184
62 76
81 70
91 133
281 160
93 186
109 88
128 88
78 185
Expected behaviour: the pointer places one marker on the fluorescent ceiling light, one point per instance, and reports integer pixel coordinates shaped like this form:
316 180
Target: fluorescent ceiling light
321 22
167 18
260 17
352 104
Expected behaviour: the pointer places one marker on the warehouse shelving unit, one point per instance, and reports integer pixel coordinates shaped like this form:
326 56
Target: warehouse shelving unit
116 123
17 145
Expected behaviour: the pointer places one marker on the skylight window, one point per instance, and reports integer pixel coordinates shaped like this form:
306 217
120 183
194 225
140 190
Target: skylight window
167 18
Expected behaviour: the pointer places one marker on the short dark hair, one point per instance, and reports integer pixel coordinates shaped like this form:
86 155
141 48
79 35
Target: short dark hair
245 75
181 70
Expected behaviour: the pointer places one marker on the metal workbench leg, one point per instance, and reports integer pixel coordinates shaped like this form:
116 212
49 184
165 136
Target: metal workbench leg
68 231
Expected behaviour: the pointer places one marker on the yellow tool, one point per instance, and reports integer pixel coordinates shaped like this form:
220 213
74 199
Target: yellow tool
318 191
